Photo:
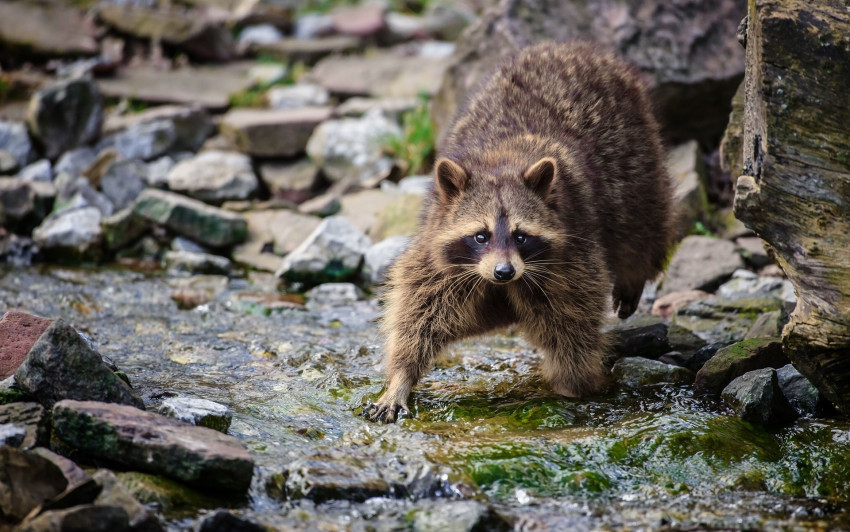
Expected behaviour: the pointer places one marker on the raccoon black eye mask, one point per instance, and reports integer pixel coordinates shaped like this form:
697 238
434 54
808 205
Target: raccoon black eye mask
550 202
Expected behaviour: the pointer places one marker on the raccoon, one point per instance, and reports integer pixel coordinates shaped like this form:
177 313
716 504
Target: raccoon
550 196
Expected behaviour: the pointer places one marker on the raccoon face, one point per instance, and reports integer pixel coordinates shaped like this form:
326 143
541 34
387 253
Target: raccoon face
498 230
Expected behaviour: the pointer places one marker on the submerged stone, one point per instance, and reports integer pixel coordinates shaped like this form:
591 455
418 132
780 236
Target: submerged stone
636 372
735 360
88 517
224 521
321 480
149 442
756 397
458 516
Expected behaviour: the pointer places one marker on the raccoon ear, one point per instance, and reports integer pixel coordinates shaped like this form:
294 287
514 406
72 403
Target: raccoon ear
451 178
540 176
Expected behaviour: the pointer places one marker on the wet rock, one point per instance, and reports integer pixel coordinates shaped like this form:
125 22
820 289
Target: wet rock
123 181
200 35
224 521
207 86
23 205
88 517
296 96
752 248
678 51
278 133
200 412
735 360
362 208
214 177
15 141
65 114
379 257
12 435
379 76
196 263
192 125
320 479
191 218
636 372
61 364
165 494
75 231
350 149
399 218
756 397
307 51
30 418
113 493
47 30
38 171
332 252
701 263
73 162
149 442
689 174
693 361
458 516
296 182
359 21
631 338
392 108
334 295
804 398
684 340
260 34
767 325
122 228
27 480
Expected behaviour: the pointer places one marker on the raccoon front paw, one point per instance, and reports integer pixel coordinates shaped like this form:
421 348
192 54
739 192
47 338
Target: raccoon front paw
384 412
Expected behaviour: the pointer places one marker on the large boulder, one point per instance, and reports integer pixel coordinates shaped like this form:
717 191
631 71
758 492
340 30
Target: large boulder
794 191
686 49
65 114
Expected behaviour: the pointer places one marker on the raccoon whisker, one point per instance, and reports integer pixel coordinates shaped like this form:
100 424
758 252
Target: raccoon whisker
471 291
547 276
531 278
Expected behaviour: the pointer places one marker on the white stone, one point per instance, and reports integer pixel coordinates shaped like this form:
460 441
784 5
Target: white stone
298 95
197 412
214 176
260 34
15 140
335 240
381 256
38 171
334 295
73 228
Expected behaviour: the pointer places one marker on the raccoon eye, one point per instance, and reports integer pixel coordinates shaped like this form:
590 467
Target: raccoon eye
480 237
520 238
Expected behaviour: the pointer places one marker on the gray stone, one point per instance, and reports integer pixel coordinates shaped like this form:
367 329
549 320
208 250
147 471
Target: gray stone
379 257
767 325
46 30
446 20
635 373
278 133
192 124
296 182
735 360
334 295
77 192
76 229
402 27
8 163
61 365
191 218
313 25
277 231
148 442
332 252
200 412
458 516
392 108
756 397
436 49
640 336
719 319
31 418
122 228
350 149
693 361
75 161
362 208
298 95
260 34
23 205
113 493
265 74
700 263
157 171
26 481
321 479
15 140
745 283
324 205
214 177
801 394
123 181
184 244
65 114
307 51
380 75
12 435
224 521
38 171
689 174
752 247
88 517
146 140
196 263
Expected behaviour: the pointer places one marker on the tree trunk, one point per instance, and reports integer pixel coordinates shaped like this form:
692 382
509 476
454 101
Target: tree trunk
795 191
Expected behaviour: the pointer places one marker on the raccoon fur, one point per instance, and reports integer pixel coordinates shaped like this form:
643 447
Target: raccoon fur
550 196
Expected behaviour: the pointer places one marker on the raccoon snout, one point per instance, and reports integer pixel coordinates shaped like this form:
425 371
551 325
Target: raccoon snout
504 272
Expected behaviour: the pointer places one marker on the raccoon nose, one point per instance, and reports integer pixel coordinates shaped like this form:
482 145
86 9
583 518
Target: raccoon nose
504 272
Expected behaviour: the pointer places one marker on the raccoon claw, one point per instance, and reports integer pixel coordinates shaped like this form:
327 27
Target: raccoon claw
378 413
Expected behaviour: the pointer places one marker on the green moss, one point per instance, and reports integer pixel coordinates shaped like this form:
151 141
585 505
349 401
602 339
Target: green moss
415 147
175 499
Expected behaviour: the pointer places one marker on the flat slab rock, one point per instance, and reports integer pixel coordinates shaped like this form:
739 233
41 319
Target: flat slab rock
145 441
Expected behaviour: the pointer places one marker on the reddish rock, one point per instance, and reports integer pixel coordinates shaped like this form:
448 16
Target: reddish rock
19 332
666 306
359 21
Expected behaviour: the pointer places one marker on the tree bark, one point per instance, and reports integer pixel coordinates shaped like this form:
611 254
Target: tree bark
795 191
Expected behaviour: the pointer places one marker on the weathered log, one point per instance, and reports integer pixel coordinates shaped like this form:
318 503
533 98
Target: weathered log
795 191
